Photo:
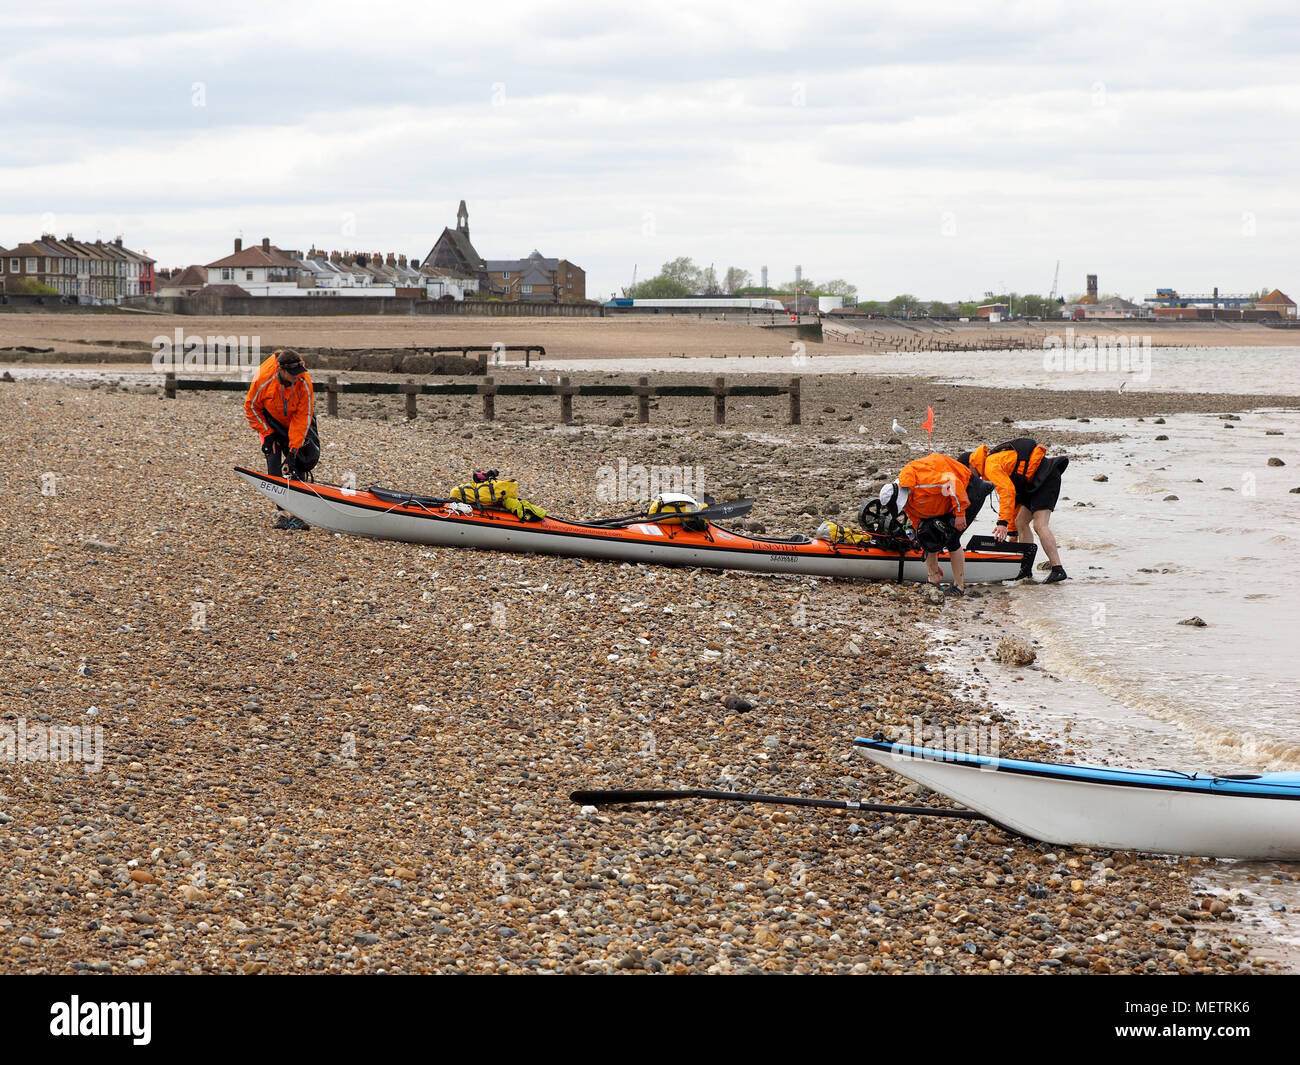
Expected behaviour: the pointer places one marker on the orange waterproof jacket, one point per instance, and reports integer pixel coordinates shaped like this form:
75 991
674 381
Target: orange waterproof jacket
292 407
1011 468
938 487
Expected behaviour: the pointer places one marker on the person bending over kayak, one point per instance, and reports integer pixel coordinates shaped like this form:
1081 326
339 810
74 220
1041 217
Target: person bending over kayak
941 497
281 408
1028 484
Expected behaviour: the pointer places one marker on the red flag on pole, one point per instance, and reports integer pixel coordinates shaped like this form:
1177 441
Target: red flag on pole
928 424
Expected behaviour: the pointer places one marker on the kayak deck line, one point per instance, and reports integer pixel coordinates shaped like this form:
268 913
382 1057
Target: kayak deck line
1284 786
413 518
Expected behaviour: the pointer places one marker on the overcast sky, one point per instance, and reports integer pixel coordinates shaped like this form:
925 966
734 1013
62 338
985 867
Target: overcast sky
943 152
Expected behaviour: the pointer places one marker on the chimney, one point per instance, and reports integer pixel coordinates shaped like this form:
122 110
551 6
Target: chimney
266 244
391 260
118 241
401 260
239 245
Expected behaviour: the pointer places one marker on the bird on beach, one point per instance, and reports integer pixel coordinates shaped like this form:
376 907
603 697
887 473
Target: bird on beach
898 428
541 380
1121 385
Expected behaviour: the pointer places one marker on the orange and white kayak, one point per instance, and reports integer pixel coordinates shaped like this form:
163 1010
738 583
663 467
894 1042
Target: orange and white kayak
384 515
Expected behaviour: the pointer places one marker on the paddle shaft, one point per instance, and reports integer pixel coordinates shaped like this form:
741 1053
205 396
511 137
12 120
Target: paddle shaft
734 509
615 796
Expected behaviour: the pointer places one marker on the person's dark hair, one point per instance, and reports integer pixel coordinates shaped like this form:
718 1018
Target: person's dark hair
290 362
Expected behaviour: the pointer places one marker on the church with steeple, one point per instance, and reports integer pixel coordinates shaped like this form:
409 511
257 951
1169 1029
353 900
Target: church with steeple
535 279
454 254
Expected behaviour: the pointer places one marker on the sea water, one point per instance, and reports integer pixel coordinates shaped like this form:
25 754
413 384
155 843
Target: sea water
1118 678
1249 370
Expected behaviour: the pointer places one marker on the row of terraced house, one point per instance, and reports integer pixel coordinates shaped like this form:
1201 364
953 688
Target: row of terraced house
76 270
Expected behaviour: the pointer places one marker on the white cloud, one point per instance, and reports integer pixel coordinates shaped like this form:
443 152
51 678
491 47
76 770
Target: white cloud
942 152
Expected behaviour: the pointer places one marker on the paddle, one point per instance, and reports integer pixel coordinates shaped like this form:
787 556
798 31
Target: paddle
615 796
736 508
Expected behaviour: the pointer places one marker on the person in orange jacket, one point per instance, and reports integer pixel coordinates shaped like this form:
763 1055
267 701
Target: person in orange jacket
941 497
1028 484
281 408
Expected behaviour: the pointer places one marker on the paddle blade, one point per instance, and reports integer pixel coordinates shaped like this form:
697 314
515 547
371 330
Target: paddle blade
612 796
737 508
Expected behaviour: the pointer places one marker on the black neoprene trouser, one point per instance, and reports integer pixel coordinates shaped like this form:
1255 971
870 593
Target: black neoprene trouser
308 454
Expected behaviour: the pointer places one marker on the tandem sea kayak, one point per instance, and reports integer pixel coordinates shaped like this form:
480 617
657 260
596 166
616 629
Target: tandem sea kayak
1161 811
386 515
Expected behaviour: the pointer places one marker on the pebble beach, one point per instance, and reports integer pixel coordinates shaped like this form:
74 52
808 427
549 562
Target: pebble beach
323 754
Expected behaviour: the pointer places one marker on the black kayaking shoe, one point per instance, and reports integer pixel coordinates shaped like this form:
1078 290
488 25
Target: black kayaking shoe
288 521
1058 574
953 590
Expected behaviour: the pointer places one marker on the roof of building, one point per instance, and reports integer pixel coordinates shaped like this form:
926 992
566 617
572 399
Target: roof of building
461 242
191 277
226 290
256 256
500 266
1276 297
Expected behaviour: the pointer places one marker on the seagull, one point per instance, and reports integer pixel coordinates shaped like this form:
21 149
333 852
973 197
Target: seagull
898 428
861 429
541 380
1121 385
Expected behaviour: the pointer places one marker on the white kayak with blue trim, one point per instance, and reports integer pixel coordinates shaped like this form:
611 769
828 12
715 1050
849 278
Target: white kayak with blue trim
1161 811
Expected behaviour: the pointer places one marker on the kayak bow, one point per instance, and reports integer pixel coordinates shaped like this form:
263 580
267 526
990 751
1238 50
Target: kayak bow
1161 811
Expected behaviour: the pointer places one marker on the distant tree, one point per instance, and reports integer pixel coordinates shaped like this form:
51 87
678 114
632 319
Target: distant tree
967 310
903 304
709 282
939 309
735 279
839 288
29 286
684 271
1032 306
658 288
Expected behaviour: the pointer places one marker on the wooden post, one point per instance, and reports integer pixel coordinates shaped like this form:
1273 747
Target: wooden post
411 389
643 400
566 402
169 386
488 388
794 400
719 401
332 395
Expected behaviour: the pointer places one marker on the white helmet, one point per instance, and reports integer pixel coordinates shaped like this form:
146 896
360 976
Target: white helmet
893 497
